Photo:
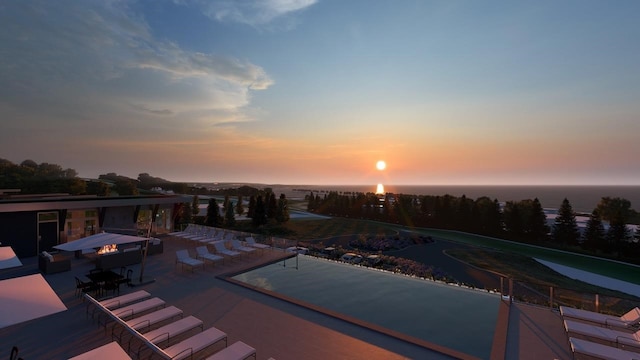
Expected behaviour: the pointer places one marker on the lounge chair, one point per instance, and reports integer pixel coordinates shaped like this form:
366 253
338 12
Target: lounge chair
599 351
203 253
144 322
236 245
183 257
169 331
626 321
236 351
221 249
621 339
252 242
188 347
137 308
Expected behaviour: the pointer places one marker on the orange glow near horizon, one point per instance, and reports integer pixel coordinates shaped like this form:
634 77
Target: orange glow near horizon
380 189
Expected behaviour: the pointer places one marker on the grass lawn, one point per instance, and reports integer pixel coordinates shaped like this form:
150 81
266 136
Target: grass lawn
304 229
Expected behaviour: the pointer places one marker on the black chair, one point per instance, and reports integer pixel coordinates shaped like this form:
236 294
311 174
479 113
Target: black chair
85 287
125 280
14 354
113 286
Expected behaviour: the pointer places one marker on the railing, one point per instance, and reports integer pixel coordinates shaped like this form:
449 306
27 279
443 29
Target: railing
554 297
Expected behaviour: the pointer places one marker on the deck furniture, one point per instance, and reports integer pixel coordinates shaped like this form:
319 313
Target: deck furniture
204 254
236 245
188 347
236 351
252 242
599 351
621 339
50 263
183 257
222 250
111 351
626 321
169 331
146 321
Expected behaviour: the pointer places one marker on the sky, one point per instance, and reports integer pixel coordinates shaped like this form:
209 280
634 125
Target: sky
317 91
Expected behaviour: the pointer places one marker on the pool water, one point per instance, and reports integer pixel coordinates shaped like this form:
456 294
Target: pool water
457 318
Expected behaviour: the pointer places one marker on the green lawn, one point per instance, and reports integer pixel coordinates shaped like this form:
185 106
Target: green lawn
318 229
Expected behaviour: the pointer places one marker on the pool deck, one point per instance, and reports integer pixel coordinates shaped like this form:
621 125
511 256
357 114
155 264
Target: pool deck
275 328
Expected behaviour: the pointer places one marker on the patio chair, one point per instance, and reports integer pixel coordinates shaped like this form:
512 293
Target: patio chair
203 253
221 249
598 333
252 242
236 351
187 347
626 321
236 245
183 257
85 287
599 351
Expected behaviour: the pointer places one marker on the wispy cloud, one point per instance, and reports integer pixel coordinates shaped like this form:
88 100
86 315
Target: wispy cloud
88 61
256 13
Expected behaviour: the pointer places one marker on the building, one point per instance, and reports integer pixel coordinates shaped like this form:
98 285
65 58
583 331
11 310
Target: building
31 224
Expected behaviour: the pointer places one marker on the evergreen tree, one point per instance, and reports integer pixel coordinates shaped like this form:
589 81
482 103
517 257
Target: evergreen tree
282 214
312 202
213 214
617 234
513 220
229 216
594 234
271 207
565 228
195 205
259 214
239 206
185 214
226 204
252 206
538 221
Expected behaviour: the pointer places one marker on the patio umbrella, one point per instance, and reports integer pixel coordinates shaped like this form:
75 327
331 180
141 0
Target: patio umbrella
97 241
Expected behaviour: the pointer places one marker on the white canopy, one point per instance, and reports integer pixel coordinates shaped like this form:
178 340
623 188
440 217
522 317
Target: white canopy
97 241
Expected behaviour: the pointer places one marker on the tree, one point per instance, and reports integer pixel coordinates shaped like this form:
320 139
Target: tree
312 202
185 214
229 215
614 209
259 214
594 235
282 214
538 228
271 206
565 228
252 206
213 214
195 205
126 187
239 206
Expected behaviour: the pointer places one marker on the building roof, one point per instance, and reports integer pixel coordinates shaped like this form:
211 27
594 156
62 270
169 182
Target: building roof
83 202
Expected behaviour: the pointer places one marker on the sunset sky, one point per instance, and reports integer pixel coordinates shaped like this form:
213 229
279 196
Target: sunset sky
316 92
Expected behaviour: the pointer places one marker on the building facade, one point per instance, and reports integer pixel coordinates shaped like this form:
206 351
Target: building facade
32 224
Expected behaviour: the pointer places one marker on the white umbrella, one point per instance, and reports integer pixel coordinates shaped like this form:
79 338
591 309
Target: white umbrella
97 241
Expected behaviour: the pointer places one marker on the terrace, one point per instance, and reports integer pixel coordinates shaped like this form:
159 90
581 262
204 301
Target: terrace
274 327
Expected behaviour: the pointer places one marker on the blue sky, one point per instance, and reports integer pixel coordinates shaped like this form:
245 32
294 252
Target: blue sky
315 92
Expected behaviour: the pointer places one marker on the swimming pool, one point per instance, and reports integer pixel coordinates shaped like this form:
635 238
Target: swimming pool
457 318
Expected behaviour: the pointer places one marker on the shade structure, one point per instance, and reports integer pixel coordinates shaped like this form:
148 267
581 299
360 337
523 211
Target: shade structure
26 298
8 258
97 241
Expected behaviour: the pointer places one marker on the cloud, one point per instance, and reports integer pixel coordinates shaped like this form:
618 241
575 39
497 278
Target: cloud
254 12
90 61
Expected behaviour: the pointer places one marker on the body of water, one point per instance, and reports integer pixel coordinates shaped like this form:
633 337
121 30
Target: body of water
457 318
582 198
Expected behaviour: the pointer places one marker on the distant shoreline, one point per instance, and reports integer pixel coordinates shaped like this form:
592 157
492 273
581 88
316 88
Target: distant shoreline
583 198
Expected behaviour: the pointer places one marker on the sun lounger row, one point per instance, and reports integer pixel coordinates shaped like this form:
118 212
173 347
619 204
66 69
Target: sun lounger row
603 336
161 339
206 235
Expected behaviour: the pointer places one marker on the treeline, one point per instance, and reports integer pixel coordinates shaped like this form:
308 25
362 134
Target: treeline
525 221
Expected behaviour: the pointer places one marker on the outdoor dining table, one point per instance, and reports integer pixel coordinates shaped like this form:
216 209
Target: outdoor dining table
104 276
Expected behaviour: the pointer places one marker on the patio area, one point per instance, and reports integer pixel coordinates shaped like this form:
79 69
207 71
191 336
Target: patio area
274 327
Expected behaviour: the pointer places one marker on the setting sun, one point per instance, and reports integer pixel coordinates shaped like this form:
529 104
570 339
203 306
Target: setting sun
381 165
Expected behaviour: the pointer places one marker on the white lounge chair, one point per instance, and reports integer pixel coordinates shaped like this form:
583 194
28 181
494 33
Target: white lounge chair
203 253
221 249
137 308
169 331
183 257
252 242
188 347
599 351
236 245
236 351
615 337
626 321
144 322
